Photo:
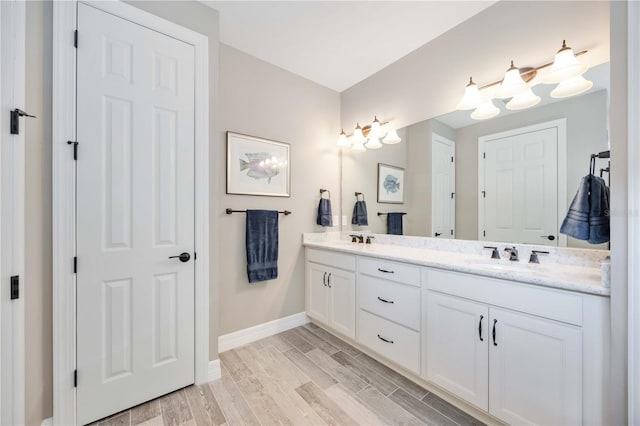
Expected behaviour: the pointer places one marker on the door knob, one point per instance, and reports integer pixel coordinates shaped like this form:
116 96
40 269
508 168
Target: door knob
438 234
184 257
549 237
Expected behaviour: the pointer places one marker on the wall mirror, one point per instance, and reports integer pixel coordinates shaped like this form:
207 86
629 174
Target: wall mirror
509 178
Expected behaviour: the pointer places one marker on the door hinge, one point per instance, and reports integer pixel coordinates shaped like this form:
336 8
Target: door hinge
484 233
15 287
75 39
452 232
452 158
75 378
14 120
75 148
75 264
452 194
484 194
195 256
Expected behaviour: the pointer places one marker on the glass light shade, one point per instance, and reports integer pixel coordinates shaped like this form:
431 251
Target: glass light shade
571 87
376 129
358 147
358 137
373 143
565 66
343 142
471 98
392 137
485 110
523 100
512 83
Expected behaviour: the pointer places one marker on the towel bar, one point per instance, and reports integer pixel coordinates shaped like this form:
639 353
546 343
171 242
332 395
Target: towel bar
382 214
229 211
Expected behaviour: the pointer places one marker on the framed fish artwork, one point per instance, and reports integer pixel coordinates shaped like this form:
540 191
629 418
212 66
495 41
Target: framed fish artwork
257 166
390 184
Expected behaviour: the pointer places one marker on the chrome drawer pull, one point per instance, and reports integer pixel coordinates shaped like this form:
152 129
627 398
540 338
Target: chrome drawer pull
385 271
384 300
384 340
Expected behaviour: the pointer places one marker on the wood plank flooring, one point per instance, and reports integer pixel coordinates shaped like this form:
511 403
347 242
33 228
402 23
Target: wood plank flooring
303 376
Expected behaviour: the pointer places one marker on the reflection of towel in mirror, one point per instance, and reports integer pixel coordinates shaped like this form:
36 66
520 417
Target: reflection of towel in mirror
359 216
588 215
324 213
262 245
394 223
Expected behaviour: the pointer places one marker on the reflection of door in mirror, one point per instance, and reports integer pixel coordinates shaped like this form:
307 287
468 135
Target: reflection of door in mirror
443 175
519 184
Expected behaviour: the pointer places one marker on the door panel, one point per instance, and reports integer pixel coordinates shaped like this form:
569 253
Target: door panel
317 292
521 183
457 358
535 370
135 201
342 303
443 186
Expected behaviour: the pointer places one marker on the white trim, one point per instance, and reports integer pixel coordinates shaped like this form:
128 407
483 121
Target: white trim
561 125
63 120
12 174
215 371
633 224
260 331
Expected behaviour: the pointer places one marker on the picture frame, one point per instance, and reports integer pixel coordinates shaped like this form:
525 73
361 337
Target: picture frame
257 166
390 184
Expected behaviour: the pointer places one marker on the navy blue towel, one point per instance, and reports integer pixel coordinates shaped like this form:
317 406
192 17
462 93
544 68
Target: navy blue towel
324 213
394 223
588 215
262 245
359 216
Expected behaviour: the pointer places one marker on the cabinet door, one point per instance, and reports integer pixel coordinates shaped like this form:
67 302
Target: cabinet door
457 347
317 297
342 301
535 370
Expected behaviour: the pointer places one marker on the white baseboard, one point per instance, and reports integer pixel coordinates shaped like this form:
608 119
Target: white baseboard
47 422
214 372
260 331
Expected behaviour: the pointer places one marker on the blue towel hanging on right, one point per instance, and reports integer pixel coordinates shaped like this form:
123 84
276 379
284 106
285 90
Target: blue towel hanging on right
588 215
394 223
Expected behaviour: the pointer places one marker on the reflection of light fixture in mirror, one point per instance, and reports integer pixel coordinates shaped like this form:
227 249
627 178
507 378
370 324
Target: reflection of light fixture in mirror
571 87
373 143
565 66
471 98
358 137
485 110
343 142
524 100
358 147
376 129
512 84
391 138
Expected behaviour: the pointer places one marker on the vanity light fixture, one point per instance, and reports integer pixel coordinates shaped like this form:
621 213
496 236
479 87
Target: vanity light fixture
516 84
373 132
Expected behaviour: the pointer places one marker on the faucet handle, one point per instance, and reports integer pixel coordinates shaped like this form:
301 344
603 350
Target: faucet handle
534 256
369 238
495 254
354 238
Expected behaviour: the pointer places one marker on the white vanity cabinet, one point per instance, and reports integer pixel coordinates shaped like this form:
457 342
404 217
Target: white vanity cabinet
330 290
521 368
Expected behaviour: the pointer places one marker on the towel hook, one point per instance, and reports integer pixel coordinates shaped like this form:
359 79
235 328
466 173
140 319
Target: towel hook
322 191
359 193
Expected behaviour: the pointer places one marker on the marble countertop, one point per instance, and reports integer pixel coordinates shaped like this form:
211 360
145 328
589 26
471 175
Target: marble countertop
578 278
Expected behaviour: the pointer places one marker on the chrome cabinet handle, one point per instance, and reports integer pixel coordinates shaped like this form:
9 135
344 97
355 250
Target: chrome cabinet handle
324 279
386 271
480 328
329 280
385 340
385 300
494 332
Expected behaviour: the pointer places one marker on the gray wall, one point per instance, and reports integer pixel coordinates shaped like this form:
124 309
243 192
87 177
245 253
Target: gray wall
38 277
360 173
586 134
429 81
262 100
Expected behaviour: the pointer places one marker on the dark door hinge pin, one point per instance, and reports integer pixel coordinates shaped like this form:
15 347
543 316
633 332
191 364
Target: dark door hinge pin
15 287
75 378
75 264
75 39
75 148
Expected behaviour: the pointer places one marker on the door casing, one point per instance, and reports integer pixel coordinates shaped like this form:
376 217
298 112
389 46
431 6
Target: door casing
63 210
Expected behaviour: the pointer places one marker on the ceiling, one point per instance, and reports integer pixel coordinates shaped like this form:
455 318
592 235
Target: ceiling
337 43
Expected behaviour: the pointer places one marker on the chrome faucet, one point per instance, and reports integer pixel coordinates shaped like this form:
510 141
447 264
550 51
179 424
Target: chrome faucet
513 253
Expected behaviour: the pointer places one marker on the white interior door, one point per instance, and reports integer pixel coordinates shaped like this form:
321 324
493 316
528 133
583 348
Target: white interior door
135 202
443 181
521 187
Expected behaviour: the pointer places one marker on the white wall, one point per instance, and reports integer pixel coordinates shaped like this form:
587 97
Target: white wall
263 100
429 81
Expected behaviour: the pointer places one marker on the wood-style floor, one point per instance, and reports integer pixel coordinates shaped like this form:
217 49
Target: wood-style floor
304 376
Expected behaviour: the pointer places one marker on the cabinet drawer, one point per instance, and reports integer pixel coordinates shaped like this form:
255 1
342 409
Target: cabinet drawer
337 260
405 349
394 271
396 302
